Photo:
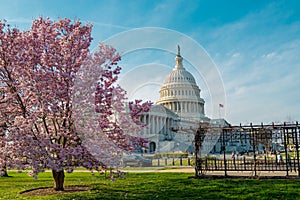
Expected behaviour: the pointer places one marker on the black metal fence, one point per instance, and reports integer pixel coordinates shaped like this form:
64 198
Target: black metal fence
161 162
249 148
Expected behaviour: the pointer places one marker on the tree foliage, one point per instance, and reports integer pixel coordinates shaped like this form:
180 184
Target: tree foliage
38 73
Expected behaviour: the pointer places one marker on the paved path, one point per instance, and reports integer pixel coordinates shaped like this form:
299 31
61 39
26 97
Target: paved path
159 169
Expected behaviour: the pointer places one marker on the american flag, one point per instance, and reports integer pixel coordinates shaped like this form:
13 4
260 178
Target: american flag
221 105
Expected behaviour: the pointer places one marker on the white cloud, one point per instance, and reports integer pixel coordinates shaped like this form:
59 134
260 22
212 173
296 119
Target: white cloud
260 64
269 55
235 55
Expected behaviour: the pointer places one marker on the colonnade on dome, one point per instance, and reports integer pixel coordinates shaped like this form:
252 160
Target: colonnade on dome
181 107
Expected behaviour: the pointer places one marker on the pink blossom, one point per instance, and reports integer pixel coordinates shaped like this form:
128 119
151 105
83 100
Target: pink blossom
38 69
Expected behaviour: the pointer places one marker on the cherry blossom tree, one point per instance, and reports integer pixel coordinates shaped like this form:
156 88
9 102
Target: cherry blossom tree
38 73
10 43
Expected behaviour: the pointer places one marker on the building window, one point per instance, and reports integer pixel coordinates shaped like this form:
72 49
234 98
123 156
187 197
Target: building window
152 147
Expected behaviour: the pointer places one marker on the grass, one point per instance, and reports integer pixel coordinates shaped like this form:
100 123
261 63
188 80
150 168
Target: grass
152 186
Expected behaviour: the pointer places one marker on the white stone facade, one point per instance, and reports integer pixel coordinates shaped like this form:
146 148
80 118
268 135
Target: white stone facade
178 110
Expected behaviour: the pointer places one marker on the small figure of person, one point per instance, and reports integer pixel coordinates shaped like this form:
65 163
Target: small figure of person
279 158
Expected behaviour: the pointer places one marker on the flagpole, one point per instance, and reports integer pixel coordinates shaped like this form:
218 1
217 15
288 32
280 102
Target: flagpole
220 106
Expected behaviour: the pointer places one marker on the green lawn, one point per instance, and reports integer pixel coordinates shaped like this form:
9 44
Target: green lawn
153 186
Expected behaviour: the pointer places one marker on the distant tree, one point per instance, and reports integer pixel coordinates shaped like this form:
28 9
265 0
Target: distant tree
38 69
264 138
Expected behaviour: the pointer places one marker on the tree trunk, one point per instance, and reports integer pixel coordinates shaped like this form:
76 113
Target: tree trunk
3 172
59 178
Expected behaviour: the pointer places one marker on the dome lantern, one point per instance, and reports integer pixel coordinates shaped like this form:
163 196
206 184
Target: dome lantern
178 60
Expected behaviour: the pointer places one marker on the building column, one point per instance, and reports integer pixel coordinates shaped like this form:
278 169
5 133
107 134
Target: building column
152 123
180 106
164 124
146 122
158 124
149 125
142 120
170 125
187 107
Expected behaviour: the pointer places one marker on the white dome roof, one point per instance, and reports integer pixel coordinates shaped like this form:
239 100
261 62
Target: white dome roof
181 94
180 76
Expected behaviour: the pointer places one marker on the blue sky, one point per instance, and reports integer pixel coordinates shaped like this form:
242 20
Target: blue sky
254 44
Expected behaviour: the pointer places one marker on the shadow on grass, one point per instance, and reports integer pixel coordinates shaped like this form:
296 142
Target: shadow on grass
44 191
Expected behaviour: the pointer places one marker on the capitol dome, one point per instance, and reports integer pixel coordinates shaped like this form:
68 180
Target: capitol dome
180 92
180 76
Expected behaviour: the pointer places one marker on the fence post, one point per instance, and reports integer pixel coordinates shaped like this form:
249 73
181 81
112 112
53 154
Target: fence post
276 161
254 135
234 163
266 163
166 162
173 162
224 152
158 164
180 161
215 162
189 162
285 150
297 148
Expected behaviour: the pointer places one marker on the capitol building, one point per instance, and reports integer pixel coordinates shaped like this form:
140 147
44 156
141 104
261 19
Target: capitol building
176 114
